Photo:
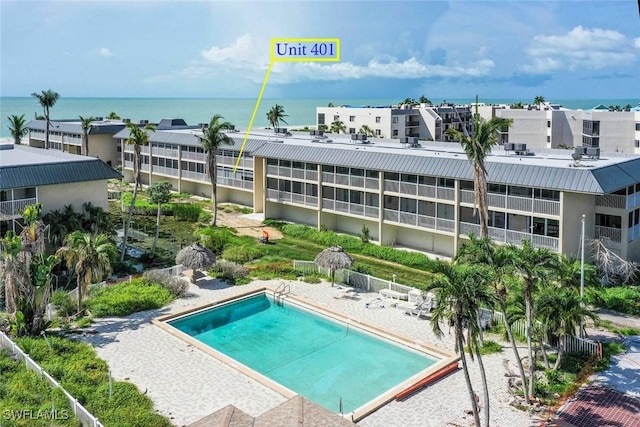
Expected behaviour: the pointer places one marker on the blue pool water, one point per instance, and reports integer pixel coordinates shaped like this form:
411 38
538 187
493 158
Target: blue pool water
320 359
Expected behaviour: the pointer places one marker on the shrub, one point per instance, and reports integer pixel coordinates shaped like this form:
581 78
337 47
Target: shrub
312 278
186 212
364 234
126 298
175 285
625 299
216 238
229 272
275 270
65 305
241 254
204 217
358 267
269 222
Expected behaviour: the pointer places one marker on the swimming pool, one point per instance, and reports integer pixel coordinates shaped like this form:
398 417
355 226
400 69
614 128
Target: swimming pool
330 361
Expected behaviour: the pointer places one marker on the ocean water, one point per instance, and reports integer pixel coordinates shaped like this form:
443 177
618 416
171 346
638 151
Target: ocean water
237 111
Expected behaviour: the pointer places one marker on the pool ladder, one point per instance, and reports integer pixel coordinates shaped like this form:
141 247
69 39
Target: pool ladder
281 291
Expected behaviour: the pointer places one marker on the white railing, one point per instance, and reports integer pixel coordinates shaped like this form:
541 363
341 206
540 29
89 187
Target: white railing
372 183
163 170
445 193
174 271
190 155
14 207
85 417
195 176
427 191
467 196
353 278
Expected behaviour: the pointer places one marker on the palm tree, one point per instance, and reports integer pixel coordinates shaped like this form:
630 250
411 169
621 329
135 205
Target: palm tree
538 100
47 99
17 127
366 130
499 259
213 137
138 137
533 266
409 101
90 256
58 229
12 270
477 147
113 116
276 115
517 106
460 291
85 123
424 100
337 127
159 193
561 312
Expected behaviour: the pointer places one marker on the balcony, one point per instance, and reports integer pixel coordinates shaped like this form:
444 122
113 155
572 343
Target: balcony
11 209
195 176
350 208
412 123
613 234
612 201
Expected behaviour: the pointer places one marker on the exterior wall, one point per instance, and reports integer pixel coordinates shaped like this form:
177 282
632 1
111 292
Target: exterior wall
105 147
58 196
573 206
290 213
528 127
231 195
362 116
431 242
617 130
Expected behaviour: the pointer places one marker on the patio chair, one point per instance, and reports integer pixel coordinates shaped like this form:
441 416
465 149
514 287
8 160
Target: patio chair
421 309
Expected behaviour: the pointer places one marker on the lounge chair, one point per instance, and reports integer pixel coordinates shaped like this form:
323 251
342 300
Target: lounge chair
346 292
422 308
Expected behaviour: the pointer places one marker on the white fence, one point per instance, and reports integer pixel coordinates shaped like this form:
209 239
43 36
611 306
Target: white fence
571 343
80 411
353 278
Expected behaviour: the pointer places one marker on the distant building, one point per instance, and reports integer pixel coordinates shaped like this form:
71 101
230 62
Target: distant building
417 195
422 121
55 179
555 127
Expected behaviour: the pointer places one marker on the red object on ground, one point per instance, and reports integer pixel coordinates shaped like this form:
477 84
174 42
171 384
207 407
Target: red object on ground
265 234
428 380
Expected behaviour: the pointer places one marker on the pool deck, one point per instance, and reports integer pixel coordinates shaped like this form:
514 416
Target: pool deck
186 384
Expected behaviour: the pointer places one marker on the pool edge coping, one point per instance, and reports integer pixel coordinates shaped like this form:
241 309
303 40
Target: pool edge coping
444 357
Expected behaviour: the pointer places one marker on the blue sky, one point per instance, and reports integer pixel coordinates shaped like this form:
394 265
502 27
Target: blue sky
443 49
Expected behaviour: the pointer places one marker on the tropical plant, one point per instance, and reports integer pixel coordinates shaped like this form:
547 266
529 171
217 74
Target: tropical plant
90 256
560 311
409 101
138 137
337 127
12 272
517 105
213 137
113 116
424 100
538 100
477 147
276 115
460 291
366 130
17 127
85 124
159 193
498 258
46 99
323 127
36 297
533 266
330 105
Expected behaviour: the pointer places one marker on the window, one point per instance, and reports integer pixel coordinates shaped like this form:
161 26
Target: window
321 118
296 187
311 166
395 132
541 193
391 176
412 179
426 180
356 197
328 169
342 170
546 227
374 174
272 162
342 194
638 126
588 141
497 188
352 130
548 138
520 191
328 192
445 211
352 118
284 185
336 118
285 163
357 172
272 183
426 208
469 216
391 202
446 182
519 223
408 205
378 119
548 123
311 190
371 199
394 119
298 165
379 132
591 128
612 221
496 219
466 185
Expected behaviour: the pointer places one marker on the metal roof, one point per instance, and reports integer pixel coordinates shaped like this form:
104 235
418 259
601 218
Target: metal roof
30 167
66 126
595 180
189 138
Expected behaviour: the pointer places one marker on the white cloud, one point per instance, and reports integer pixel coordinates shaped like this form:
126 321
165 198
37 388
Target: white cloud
636 43
580 48
248 58
105 53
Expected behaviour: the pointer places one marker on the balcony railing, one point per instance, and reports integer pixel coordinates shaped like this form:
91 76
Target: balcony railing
501 235
350 208
195 176
190 155
612 201
614 234
12 208
235 183
163 170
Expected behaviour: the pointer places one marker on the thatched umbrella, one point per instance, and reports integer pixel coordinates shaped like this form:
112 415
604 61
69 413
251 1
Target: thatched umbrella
334 258
195 257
